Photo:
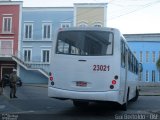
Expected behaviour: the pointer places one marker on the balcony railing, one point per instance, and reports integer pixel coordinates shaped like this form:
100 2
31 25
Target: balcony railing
31 65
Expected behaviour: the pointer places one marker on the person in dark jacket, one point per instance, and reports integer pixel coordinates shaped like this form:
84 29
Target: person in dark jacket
13 83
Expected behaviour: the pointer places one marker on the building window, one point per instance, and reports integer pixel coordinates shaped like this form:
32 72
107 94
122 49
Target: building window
147 76
97 25
6 47
28 31
153 57
65 25
46 56
123 53
141 55
27 55
7 24
83 24
46 31
147 56
153 75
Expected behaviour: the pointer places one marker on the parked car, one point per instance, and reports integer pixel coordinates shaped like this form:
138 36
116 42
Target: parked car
6 81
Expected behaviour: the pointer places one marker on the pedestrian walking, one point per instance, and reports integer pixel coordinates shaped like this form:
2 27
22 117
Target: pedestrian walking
13 83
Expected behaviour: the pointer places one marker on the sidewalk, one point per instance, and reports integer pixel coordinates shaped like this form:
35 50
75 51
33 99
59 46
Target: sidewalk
36 85
149 91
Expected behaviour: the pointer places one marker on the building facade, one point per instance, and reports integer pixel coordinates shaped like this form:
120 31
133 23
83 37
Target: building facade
146 49
10 30
90 14
38 28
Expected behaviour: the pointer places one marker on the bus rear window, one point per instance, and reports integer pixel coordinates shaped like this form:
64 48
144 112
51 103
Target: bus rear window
85 43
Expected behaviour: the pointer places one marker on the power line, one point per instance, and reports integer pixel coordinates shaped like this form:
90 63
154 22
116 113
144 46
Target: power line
135 10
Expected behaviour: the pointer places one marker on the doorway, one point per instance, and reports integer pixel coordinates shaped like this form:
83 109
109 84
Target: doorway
6 70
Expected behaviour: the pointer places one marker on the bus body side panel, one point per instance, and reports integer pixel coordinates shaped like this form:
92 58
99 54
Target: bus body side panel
122 84
132 84
129 81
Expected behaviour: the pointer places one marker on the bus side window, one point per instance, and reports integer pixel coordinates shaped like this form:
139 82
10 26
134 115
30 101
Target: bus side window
110 44
136 67
132 62
135 63
128 60
122 54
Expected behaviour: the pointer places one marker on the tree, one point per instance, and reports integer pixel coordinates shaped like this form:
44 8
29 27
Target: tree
158 65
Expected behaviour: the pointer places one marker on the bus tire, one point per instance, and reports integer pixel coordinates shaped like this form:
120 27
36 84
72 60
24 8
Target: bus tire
136 96
80 104
125 105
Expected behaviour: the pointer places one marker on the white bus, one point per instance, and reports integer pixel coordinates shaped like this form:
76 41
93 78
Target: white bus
93 64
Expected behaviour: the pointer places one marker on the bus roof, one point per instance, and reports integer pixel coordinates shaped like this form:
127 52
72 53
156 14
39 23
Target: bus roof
89 28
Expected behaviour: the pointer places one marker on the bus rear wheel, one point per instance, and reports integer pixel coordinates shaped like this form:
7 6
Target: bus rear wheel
80 104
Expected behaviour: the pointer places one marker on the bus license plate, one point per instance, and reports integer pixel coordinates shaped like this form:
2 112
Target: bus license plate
81 84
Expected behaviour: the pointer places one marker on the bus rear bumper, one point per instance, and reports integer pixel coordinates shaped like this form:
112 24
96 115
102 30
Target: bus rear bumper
90 96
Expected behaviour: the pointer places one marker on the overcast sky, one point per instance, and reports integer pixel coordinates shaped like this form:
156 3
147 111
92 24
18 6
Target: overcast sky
130 16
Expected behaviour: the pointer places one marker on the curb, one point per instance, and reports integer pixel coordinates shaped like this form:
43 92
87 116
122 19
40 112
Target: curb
149 94
37 85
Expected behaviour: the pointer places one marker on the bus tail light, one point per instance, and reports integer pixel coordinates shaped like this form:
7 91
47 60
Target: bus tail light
50 76
114 82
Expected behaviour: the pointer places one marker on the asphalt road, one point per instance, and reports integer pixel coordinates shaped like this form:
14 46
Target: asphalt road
33 104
